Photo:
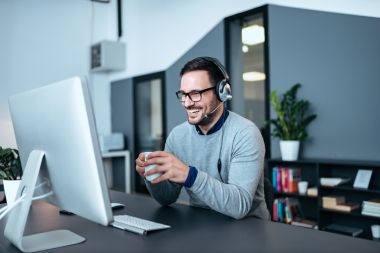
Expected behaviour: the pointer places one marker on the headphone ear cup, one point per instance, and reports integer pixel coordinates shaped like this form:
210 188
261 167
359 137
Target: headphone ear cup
227 88
223 91
218 88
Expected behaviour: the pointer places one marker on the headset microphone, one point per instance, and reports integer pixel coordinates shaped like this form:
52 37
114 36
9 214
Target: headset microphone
212 112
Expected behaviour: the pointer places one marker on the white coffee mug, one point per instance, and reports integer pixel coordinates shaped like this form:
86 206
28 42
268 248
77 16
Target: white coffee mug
150 167
375 231
302 187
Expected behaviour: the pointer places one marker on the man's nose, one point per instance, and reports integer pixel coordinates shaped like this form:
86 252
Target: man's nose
188 102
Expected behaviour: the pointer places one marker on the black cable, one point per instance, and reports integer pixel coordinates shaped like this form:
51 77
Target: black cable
119 15
119 19
102 1
219 165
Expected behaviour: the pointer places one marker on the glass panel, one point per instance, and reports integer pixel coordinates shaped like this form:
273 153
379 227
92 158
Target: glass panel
149 120
253 38
149 115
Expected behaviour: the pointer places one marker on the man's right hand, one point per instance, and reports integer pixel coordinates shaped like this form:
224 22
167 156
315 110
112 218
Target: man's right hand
140 164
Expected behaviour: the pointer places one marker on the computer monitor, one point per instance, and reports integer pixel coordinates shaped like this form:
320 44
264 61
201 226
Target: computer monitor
57 140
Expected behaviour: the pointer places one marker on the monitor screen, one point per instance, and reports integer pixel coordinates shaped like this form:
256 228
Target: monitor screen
58 120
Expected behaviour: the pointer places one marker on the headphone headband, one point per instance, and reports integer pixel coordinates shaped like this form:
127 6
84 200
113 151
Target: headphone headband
219 65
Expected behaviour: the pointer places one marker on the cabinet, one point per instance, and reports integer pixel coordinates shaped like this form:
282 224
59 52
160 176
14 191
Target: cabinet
311 206
107 162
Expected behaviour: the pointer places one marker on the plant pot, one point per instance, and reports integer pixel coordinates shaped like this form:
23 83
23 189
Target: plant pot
10 190
289 150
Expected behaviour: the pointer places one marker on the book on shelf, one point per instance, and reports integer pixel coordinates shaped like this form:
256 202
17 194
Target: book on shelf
345 207
332 200
305 223
333 181
362 179
371 207
286 209
278 210
275 212
286 179
369 213
294 177
372 202
313 191
342 229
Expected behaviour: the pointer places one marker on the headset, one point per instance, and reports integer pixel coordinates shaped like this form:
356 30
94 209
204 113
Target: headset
223 87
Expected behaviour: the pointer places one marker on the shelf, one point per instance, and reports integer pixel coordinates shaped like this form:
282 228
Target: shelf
354 213
329 162
349 188
107 163
296 195
303 225
313 169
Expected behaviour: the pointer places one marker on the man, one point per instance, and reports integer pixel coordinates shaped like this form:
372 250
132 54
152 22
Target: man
216 155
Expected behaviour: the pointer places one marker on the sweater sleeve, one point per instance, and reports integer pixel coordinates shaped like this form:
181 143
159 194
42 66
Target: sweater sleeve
234 197
166 192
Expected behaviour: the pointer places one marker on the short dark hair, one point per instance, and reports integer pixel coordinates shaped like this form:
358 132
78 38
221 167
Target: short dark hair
202 63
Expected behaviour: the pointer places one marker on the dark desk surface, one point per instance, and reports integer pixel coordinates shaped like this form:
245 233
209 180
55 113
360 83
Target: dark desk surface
193 230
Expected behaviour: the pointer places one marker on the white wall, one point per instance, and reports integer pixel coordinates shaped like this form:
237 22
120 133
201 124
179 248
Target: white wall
159 32
44 41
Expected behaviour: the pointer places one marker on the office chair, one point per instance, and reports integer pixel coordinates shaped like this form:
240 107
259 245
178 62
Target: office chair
269 195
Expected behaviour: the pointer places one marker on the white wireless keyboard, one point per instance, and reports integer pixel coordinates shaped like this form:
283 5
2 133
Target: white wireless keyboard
136 225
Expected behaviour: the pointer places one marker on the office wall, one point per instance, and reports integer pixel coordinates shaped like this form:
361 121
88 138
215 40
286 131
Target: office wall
157 33
44 41
336 58
122 116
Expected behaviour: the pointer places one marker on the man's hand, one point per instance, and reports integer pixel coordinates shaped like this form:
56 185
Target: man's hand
170 166
140 164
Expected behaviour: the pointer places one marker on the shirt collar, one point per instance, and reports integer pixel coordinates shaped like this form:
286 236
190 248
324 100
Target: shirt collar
215 127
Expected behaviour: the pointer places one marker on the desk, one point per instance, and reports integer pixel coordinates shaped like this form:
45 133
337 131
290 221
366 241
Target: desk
193 230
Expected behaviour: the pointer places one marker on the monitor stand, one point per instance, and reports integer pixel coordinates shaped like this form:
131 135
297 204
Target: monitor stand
14 230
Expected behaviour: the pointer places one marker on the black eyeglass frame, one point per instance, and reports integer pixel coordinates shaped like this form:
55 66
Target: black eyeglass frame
181 95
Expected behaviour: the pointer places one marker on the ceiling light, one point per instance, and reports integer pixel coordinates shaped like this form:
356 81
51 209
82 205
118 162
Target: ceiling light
253 76
245 49
253 35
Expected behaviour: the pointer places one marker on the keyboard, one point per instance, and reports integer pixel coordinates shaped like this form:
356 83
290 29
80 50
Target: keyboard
136 225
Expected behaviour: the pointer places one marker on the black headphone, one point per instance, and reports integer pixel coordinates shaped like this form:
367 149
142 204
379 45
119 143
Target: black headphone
223 87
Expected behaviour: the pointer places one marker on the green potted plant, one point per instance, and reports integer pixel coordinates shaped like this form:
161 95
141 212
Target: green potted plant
291 122
10 172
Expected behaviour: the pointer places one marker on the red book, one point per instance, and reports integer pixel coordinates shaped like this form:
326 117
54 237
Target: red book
286 180
279 180
294 178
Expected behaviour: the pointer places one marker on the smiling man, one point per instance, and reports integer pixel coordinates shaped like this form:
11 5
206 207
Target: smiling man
216 155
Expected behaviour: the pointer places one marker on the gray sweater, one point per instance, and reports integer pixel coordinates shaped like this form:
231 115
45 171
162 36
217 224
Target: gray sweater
241 190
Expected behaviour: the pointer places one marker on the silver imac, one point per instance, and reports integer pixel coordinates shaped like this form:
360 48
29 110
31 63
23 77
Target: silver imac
57 140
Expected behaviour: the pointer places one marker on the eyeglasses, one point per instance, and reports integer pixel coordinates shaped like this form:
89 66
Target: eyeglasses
194 95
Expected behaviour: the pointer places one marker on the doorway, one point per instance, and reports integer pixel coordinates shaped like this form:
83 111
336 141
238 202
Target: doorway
149 117
246 52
